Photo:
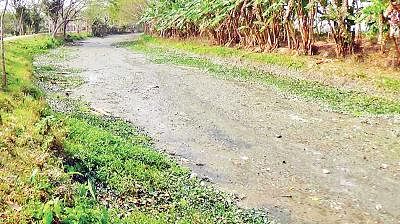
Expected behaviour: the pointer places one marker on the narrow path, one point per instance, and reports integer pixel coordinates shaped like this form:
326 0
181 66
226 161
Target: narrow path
303 164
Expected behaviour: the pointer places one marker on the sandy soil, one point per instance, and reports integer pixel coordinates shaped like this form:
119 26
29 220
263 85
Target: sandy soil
295 159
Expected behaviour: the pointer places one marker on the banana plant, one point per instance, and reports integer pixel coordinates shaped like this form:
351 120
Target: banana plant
372 15
264 24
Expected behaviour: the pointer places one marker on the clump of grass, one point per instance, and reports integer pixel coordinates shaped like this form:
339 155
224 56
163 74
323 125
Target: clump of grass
149 181
51 75
358 103
389 83
19 58
24 140
71 37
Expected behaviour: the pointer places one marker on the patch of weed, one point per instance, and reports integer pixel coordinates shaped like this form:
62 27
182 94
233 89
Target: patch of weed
71 37
110 153
64 78
226 52
389 83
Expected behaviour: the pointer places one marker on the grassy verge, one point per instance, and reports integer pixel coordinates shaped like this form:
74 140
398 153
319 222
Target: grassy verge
358 103
58 167
367 72
23 141
200 48
140 184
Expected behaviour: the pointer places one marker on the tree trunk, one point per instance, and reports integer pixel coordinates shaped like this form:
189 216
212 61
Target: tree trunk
21 23
65 29
396 45
55 27
3 58
381 38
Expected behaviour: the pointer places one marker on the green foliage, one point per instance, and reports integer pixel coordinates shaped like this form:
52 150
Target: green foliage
263 24
126 12
372 14
110 151
71 37
25 18
9 23
226 52
96 11
24 137
165 15
389 83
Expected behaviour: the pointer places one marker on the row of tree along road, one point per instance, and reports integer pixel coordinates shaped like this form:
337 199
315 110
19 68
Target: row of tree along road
270 24
58 17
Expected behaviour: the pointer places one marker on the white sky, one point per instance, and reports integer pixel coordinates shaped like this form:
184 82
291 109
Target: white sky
2 2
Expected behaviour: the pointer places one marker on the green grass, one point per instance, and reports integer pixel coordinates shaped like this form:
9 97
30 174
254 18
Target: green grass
50 74
23 140
19 60
112 153
389 83
81 168
227 52
32 178
71 37
354 102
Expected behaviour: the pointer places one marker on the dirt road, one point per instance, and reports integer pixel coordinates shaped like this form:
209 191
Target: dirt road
295 159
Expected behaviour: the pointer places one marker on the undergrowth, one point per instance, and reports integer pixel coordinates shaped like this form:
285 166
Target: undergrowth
25 164
136 180
357 103
76 167
227 52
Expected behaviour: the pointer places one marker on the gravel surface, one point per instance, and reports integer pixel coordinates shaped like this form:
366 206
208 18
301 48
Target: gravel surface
293 158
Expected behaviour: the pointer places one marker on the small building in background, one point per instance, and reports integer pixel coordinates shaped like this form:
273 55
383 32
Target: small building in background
78 26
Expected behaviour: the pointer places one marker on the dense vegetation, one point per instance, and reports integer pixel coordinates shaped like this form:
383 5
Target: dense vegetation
268 25
22 141
56 16
83 168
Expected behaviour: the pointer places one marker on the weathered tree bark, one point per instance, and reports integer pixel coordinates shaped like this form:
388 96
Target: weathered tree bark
396 45
3 54
21 23
306 16
65 29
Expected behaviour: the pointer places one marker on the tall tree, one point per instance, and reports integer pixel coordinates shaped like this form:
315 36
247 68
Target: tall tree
62 12
35 17
372 15
20 14
126 12
53 10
